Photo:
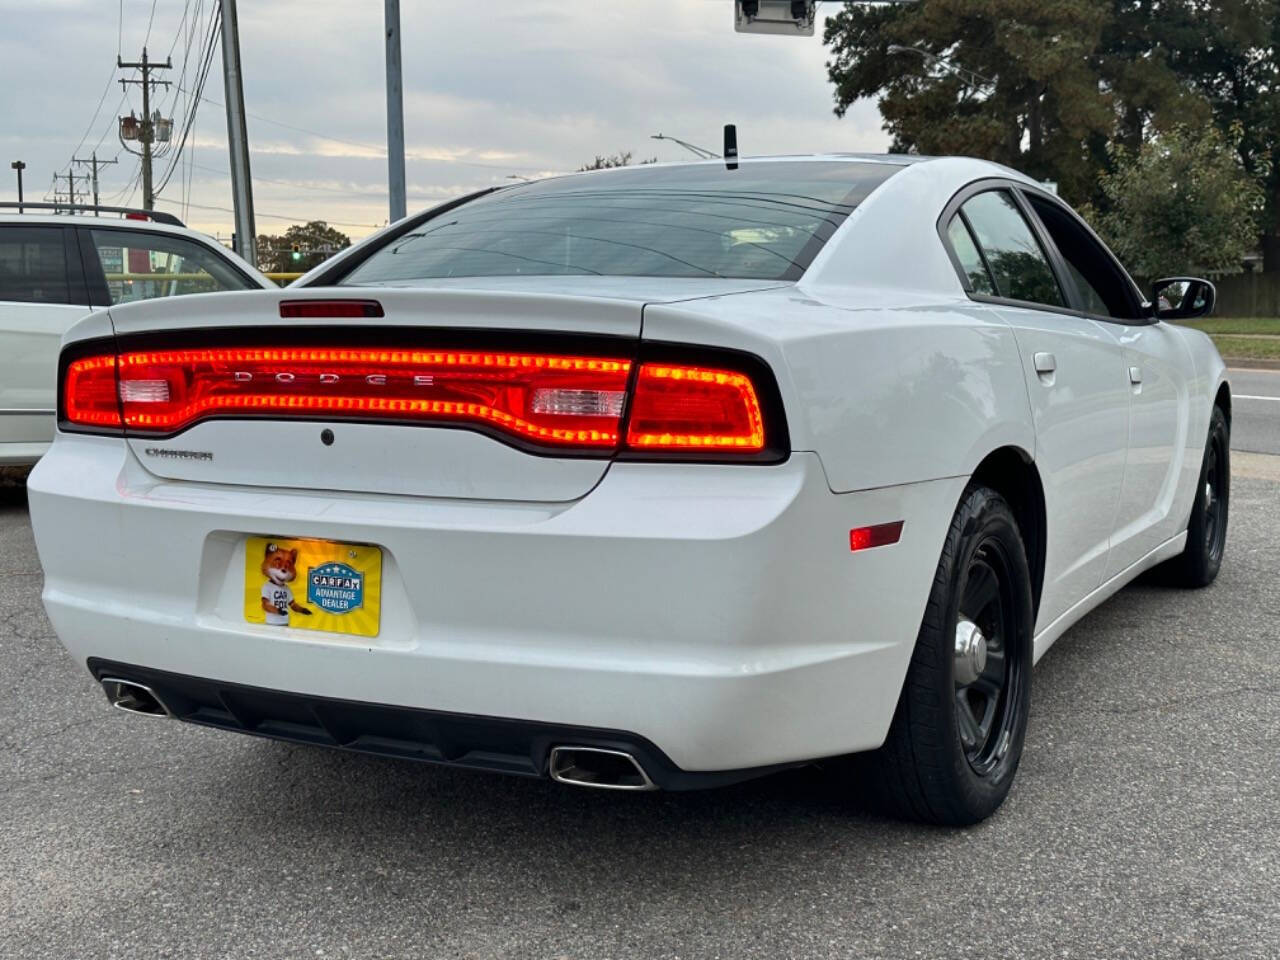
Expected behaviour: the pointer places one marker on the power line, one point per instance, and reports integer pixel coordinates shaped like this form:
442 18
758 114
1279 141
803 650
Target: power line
276 216
102 99
150 20
113 120
96 111
147 128
203 69
171 100
381 151
93 163
293 184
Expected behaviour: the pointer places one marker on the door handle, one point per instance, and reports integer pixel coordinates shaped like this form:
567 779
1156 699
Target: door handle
1135 376
1046 363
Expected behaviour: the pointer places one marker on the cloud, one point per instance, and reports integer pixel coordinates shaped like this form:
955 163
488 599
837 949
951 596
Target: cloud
491 90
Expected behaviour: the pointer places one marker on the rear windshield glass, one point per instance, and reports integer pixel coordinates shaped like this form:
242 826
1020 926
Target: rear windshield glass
764 221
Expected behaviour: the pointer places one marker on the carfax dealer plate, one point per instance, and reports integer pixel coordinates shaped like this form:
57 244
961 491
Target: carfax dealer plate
313 585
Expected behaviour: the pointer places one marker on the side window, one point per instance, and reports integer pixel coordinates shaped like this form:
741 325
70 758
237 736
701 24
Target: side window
970 259
33 265
1018 264
144 266
1103 285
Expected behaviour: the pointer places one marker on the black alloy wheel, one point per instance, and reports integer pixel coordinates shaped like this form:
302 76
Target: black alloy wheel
1201 559
1215 499
986 717
957 733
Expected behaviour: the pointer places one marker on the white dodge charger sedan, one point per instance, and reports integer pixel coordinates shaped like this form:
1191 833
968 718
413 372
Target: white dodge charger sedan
659 477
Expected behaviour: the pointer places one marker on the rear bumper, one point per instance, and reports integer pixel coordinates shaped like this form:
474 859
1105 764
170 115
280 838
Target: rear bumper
493 744
714 613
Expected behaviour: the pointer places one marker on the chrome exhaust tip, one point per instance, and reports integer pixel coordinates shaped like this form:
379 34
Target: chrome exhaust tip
134 698
598 768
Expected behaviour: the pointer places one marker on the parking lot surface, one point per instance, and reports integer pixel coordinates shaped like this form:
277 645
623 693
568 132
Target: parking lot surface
1145 821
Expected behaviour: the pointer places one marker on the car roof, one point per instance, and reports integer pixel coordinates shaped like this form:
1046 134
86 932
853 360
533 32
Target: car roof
114 222
148 226
891 159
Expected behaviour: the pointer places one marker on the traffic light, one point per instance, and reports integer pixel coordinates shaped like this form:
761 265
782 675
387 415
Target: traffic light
296 255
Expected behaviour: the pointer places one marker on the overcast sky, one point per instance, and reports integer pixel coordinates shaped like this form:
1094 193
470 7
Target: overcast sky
492 88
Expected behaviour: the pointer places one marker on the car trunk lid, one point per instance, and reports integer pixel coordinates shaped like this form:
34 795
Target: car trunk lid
317 449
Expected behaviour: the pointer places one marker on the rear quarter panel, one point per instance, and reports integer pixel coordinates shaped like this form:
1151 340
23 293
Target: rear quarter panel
884 389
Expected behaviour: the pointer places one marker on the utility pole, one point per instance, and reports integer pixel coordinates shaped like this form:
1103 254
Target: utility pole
71 177
93 163
395 113
19 166
237 135
147 132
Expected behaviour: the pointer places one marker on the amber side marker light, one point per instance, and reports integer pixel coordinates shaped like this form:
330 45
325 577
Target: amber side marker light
880 535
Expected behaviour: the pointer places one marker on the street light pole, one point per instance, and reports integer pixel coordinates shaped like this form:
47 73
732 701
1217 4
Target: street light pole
395 113
237 135
19 166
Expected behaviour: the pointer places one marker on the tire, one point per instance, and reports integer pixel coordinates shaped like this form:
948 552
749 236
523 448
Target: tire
942 763
1198 564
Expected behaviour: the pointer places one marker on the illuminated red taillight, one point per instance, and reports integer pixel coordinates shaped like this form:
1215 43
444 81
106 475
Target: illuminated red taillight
91 393
684 408
342 309
557 401
164 391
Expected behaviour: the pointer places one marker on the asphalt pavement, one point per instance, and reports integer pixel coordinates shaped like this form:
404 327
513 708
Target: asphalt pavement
1255 410
1145 821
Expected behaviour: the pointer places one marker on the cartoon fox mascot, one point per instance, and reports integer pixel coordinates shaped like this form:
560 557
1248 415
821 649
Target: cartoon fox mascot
280 569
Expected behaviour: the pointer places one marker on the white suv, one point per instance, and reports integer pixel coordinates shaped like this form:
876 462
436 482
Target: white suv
56 268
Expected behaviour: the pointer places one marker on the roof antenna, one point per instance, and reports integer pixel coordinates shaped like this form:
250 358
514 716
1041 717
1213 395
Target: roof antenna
730 147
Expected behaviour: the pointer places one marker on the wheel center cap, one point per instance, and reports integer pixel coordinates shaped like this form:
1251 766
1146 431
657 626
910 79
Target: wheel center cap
1208 494
971 652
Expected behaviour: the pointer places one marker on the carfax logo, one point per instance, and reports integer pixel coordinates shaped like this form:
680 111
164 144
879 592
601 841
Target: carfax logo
335 587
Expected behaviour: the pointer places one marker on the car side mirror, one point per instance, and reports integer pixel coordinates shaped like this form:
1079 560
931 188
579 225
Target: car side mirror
1183 298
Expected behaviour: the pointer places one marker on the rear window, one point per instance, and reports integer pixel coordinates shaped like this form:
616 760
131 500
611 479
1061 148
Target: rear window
764 221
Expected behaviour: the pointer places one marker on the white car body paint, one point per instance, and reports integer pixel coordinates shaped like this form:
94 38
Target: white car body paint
715 610
31 334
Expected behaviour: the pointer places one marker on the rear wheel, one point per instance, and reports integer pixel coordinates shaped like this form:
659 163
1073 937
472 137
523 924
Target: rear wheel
957 733
1200 560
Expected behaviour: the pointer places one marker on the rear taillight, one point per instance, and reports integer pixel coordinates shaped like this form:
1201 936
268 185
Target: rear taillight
691 408
91 393
557 402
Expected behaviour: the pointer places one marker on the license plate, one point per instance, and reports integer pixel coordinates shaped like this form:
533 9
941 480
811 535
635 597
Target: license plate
313 585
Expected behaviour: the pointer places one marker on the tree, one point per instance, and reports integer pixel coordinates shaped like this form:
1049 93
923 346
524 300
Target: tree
622 159
316 242
1232 61
1043 87
1182 204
